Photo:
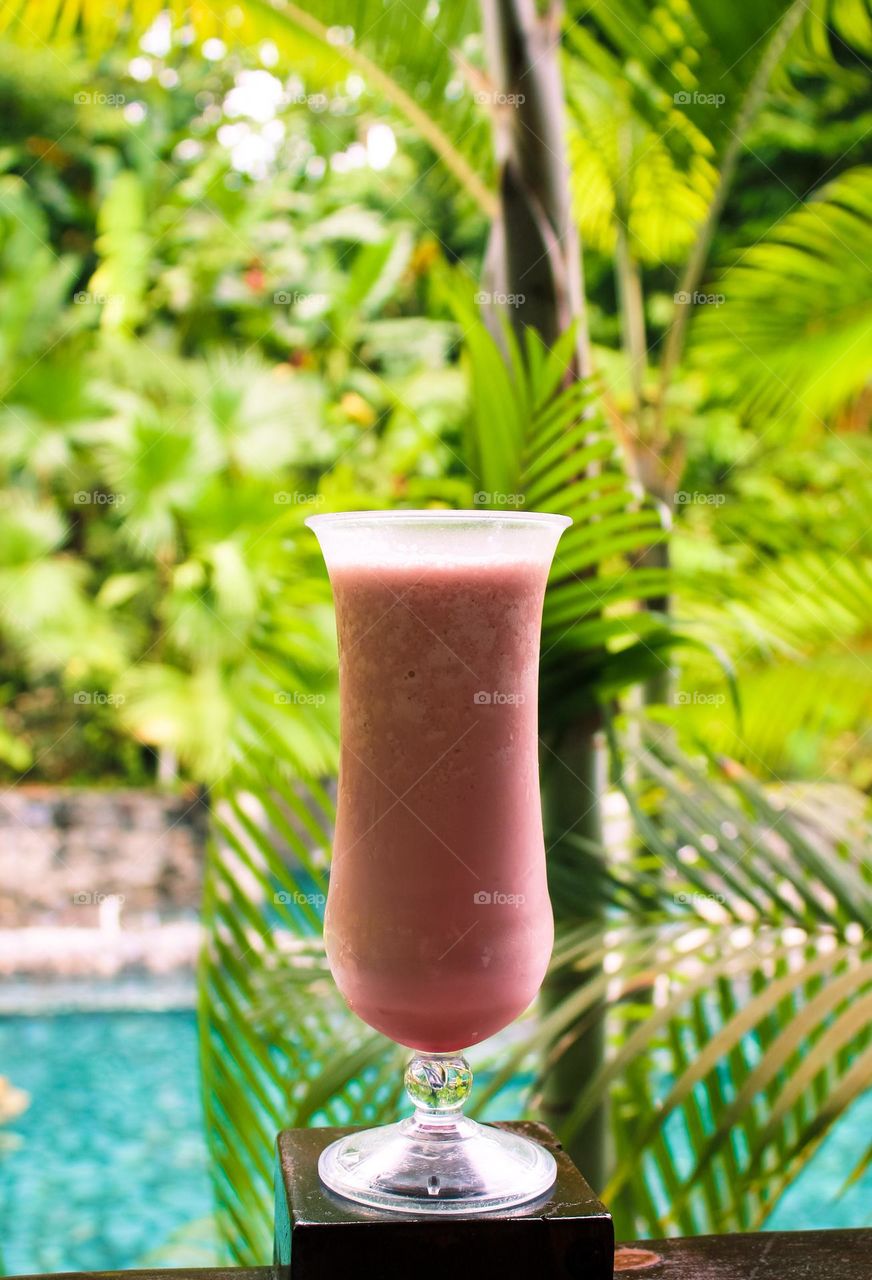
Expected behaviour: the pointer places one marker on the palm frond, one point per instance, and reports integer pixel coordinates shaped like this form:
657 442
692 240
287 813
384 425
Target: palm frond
278 1048
705 61
536 440
738 1014
846 20
627 172
796 622
796 323
799 719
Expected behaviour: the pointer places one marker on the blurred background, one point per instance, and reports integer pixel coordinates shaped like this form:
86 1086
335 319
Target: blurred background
244 278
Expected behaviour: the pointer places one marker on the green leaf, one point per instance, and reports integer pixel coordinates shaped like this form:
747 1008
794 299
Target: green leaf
796 324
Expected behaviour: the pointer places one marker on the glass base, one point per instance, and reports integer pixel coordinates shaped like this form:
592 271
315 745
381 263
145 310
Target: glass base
444 1164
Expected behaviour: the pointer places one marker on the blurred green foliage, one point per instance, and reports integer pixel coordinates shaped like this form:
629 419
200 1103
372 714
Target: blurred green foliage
195 357
218 312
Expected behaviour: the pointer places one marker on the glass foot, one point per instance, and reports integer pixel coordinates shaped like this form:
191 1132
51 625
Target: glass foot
437 1161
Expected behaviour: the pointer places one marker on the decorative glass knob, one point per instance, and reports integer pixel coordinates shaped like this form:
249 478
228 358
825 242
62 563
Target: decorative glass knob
438 1084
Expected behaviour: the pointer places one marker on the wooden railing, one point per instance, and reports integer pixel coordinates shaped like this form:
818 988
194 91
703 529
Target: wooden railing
776 1255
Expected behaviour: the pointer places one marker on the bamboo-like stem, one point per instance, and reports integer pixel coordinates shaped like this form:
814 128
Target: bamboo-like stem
632 305
659 688
673 348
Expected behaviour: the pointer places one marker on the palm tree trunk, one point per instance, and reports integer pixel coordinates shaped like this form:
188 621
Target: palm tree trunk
534 259
658 688
632 315
575 776
534 254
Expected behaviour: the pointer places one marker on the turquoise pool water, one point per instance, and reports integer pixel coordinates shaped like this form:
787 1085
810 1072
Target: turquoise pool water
112 1163
112 1159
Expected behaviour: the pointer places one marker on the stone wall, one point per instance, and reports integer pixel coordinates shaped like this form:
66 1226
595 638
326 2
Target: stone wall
72 856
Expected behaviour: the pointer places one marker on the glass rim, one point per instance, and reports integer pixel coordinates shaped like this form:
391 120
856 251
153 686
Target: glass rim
434 516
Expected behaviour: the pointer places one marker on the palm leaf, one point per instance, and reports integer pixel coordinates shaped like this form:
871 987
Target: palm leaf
628 173
278 1047
753 1038
798 718
695 78
796 326
705 60
797 622
536 440
731 969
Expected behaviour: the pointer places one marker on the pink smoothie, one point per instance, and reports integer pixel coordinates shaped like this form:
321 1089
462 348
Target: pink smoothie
438 925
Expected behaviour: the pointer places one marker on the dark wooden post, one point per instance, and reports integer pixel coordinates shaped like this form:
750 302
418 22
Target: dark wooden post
566 1235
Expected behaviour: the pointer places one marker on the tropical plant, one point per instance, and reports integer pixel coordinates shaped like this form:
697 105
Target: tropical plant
718 972
799 627
665 118
798 325
772 564
684 119
744 969
734 982
154 475
277 1046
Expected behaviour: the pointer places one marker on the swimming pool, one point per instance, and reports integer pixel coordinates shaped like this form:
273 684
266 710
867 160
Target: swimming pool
112 1165
112 1159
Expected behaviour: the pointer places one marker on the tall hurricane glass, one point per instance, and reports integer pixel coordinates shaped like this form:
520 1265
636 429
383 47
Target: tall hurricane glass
438 926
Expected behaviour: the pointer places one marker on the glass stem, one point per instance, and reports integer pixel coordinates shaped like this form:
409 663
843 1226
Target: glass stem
438 1085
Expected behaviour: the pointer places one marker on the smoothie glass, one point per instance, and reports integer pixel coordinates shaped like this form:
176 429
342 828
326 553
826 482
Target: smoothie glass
438 927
